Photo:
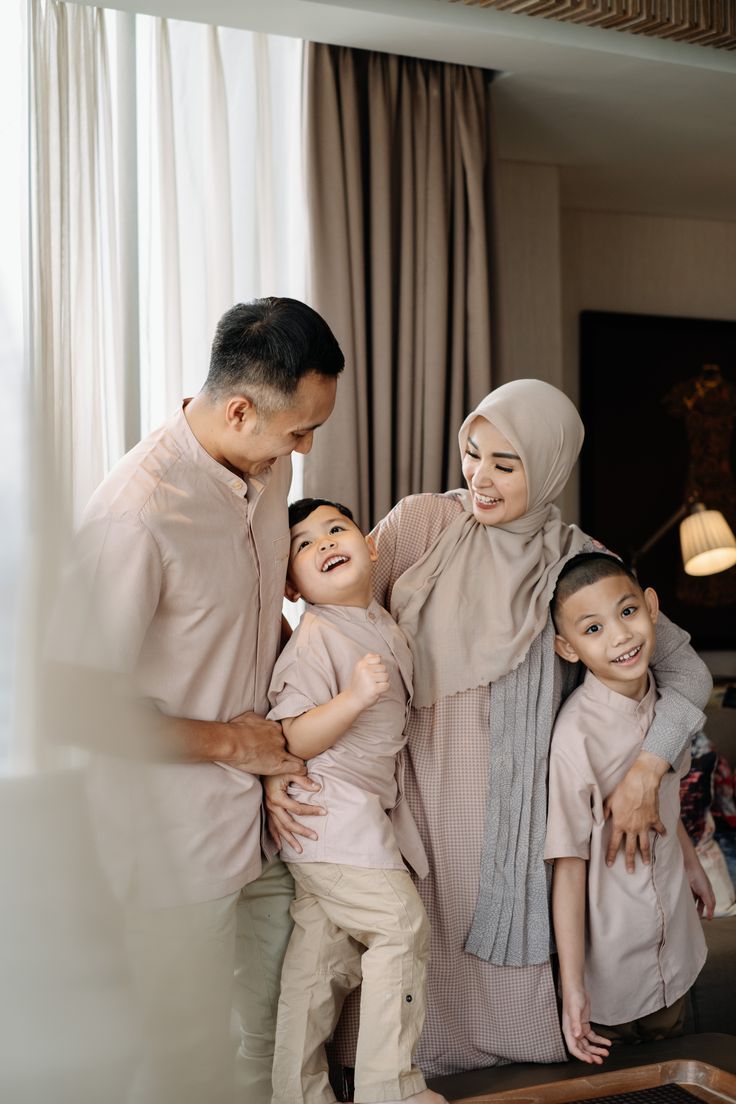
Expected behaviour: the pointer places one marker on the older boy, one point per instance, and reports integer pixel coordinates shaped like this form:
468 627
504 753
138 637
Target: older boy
630 945
340 690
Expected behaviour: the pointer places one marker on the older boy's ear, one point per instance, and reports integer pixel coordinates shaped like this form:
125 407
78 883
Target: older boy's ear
565 650
652 601
373 551
290 591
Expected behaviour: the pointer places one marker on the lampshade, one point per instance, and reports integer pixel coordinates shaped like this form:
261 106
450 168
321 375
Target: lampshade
707 542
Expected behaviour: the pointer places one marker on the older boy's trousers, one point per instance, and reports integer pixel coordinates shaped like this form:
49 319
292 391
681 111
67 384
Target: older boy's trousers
352 924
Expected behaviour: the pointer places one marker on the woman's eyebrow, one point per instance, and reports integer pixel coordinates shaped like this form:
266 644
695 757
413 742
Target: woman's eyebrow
506 455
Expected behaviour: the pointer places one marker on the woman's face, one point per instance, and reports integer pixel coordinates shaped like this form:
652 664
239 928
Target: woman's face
494 474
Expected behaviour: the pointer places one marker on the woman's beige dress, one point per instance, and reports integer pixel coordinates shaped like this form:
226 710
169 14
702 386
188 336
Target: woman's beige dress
477 1014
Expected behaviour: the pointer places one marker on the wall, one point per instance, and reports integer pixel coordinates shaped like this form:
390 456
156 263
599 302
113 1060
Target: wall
643 264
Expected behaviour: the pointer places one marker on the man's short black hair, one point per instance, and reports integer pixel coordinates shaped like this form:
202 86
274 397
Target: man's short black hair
265 347
301 509
582 570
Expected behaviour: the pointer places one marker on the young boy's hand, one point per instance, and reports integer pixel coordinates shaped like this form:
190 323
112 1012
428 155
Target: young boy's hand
369 680
581 1040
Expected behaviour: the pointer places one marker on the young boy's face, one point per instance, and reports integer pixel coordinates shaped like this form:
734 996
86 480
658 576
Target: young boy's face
330 561
609 625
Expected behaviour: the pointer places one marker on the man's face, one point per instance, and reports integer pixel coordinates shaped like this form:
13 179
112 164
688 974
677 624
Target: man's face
251 443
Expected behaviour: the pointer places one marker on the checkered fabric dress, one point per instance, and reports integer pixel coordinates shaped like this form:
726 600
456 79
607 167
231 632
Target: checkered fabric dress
477 1014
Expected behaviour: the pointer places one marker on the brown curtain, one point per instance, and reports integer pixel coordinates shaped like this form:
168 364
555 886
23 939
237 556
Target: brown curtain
398 157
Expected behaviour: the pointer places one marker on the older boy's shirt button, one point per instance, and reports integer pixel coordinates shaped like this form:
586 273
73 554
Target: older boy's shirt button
371 616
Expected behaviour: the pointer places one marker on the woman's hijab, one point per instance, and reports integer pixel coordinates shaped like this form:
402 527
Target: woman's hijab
473 604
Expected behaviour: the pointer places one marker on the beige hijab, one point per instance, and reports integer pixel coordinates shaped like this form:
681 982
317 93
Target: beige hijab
473 604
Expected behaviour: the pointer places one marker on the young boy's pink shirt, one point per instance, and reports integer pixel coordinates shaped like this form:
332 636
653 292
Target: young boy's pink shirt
644 940
367 823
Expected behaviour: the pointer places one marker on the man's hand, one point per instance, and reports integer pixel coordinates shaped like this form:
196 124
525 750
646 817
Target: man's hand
634 808
280 806
258 746
581 1040
369 680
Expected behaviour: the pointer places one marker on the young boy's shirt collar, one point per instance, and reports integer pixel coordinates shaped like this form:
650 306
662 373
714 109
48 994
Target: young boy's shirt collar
594 688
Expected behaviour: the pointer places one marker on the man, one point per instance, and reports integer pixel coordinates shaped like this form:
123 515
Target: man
170 623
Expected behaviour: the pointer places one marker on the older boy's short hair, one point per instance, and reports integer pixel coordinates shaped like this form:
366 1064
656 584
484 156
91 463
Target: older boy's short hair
584 569
303 507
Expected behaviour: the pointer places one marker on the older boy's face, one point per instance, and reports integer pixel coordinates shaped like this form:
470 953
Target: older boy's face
609 625
330 561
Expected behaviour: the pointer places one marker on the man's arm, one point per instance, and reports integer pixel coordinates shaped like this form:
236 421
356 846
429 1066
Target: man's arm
568 914
98 710
684 684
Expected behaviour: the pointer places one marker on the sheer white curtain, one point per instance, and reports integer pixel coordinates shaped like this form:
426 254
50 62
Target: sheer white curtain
217 179
220 195
166 185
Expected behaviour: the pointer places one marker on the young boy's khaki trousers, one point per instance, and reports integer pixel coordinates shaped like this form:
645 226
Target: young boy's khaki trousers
352 924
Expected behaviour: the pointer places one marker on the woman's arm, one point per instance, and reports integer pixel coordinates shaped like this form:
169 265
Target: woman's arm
684 683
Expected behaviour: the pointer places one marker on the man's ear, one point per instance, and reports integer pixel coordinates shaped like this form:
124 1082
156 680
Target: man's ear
290 591
239 412
652 601
565 650
372 550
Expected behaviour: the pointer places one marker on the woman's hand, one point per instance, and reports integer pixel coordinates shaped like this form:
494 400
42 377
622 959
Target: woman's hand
634 809
280 806
581 1040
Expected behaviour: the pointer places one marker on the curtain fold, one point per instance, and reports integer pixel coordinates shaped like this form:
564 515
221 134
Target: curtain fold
77 363
398 160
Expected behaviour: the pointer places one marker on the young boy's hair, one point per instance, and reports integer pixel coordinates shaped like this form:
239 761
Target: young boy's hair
583 570
303 507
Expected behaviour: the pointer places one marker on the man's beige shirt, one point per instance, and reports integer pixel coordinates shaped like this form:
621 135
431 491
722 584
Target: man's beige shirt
177 582
367 823
644 941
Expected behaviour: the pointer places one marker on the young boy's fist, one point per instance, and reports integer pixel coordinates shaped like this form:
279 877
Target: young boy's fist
369 680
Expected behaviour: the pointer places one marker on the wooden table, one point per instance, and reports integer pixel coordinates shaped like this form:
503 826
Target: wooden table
528 1083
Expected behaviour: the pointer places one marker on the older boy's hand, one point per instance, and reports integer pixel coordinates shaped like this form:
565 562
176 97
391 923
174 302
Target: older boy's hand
702 890
280 806
634 809
581 1040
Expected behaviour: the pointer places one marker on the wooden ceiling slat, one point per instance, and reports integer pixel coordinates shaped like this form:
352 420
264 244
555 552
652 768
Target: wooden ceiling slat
709 23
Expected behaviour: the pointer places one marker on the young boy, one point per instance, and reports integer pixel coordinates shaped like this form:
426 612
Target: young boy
341 689
630 945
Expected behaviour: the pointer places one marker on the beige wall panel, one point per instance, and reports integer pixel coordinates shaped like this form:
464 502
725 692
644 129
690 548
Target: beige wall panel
528 305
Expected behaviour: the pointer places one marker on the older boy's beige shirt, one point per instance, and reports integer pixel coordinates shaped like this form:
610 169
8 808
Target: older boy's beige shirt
367 823
644 941
177 582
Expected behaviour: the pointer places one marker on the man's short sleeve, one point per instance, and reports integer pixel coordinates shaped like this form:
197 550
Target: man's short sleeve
107 597
570 814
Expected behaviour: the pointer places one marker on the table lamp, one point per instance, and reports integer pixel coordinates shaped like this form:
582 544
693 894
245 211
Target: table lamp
707 542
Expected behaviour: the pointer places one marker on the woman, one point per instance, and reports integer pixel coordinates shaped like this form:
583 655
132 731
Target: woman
469 576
